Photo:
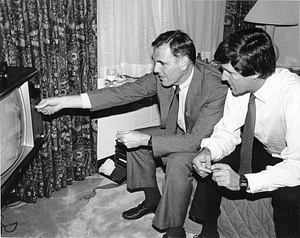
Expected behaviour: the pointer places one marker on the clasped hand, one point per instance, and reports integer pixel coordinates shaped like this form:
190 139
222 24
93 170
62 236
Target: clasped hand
222 174
133 139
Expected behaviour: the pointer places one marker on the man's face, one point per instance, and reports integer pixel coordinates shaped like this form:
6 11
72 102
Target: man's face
238 84
167 66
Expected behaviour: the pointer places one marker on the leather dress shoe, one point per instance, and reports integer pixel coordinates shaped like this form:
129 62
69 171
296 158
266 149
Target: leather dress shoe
167 236
138 212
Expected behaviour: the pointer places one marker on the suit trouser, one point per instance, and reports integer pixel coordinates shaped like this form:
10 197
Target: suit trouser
176 194
285 201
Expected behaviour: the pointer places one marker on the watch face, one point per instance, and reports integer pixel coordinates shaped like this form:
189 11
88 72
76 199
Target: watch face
243 182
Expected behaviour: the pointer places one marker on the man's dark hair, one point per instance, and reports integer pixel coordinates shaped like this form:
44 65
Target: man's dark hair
180 44
249 51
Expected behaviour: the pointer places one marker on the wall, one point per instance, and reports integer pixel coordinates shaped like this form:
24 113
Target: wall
288 41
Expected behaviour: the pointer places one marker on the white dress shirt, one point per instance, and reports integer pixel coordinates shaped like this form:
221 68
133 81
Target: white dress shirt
86 103
184 87
277 127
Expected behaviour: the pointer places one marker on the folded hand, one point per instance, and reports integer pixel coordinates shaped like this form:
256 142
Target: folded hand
133 139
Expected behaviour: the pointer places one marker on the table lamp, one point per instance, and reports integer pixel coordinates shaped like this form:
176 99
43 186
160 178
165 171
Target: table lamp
271 14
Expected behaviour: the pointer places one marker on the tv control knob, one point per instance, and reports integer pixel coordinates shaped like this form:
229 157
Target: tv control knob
34 91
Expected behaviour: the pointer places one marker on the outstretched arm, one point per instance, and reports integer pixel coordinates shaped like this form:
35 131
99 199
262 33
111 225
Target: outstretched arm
52 105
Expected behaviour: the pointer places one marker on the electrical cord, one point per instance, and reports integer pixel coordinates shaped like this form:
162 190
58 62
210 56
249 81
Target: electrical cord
5 227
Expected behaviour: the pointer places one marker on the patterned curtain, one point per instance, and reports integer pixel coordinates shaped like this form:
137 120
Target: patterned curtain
59 38
234 16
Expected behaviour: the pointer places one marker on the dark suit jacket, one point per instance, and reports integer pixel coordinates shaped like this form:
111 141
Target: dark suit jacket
204 106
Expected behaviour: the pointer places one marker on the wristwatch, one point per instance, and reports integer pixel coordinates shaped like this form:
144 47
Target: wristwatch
243 182
150 142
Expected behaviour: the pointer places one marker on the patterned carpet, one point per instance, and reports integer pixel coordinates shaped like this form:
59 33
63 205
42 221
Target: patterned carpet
69 214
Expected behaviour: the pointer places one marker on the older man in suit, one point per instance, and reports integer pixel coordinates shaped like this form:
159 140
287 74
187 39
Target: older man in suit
191 98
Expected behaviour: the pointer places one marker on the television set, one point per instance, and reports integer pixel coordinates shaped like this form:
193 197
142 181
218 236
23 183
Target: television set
21 130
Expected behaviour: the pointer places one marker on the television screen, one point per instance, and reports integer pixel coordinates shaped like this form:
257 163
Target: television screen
12 131
16 132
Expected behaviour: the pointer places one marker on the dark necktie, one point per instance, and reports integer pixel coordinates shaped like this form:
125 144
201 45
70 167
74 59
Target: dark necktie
173 113
247 137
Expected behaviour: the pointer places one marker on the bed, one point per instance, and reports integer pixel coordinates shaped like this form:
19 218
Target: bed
241 218
246 218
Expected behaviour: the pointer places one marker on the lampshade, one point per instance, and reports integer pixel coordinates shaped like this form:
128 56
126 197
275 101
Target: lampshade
272 12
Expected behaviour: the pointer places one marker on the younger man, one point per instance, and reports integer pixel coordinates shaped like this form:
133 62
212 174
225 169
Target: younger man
249 67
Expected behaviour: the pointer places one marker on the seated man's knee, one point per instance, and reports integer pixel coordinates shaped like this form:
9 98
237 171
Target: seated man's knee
179 162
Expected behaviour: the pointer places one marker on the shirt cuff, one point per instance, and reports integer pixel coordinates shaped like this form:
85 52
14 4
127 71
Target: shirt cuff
255 182
212 147
86 103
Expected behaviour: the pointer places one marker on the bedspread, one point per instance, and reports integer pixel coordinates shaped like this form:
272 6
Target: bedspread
246 218
241 218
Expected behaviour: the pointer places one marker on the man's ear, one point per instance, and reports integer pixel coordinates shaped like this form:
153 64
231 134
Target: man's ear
255 76
184 62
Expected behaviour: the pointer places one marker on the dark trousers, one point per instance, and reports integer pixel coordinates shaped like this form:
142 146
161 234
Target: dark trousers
178 186
285 201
